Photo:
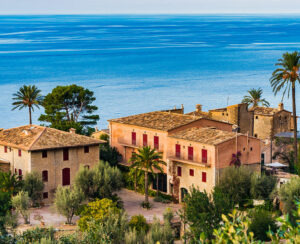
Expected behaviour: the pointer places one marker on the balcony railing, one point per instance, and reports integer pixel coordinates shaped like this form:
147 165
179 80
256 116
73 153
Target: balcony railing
181 159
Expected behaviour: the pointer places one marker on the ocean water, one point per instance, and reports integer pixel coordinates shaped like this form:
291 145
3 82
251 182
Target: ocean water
137 64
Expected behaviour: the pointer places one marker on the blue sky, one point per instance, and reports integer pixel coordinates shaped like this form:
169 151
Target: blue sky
147 6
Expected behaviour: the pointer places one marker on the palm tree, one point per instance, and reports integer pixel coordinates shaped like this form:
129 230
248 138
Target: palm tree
255 98
285 78
27 96
147 159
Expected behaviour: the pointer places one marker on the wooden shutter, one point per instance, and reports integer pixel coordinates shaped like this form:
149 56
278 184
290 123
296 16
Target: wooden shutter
5 149
191 172
204 156
145 140
66 176
190 153
133 138
156 142
177 150
20 152
178 171
203 176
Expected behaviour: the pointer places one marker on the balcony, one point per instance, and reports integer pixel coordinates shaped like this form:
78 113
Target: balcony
181 159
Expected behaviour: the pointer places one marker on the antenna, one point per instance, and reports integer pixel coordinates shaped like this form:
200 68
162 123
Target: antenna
227 100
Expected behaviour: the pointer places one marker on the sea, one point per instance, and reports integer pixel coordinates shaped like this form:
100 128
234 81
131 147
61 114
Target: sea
141 63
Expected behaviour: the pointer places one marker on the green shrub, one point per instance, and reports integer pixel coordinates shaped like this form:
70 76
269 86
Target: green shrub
159 233
36 235
146 205
236 184
99 182
135 180
67 201
262 186
10 183
21 203
97 211
34 185
261 222
139 223
289 193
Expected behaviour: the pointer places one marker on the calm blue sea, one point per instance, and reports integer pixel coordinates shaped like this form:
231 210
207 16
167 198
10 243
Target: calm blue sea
137 63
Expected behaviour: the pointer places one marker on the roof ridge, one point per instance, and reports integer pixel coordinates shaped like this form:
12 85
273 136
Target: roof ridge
37 138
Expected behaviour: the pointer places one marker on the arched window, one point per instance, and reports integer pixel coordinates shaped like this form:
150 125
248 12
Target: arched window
45 175
66 176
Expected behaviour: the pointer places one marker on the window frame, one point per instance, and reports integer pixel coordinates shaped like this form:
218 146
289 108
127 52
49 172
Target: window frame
45 177
179 171
204 177
65 154
86 149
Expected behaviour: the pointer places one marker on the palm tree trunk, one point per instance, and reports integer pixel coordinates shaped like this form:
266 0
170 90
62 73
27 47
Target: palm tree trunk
157 184
30 119
295 126
146 187
135 179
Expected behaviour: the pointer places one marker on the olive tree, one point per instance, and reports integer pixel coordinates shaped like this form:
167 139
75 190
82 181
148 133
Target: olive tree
34 185
21 203
67 201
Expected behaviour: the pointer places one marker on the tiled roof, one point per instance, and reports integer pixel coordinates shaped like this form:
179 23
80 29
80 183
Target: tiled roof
164 121
264 110
34 137
199 114
206 135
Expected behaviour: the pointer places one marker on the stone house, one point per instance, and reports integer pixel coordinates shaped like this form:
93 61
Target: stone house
56 155
261 122
196 149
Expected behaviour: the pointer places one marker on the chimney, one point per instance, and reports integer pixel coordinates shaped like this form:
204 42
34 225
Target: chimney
198 107
280 106
72 131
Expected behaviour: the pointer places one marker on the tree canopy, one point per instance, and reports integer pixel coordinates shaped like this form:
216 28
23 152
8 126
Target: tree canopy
255 98
70 107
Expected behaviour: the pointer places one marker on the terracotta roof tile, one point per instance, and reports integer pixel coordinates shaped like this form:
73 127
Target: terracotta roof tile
164 121
206 135
34 137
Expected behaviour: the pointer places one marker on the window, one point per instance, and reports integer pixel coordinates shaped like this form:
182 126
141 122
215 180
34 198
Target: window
86 166
66 176
191 172
190 153
145 140
15 171
256 117
45 175
5 149
65 154
178 171
255 135
244 149
203 176
44 154
204 156
177 150
20 174
45 195
86 149
156 142
251 149
20 152
133 138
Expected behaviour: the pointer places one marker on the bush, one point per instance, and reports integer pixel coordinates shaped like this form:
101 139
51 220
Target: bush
99 182
67 201
261 222
36 235
109 154
159 233
5 206
236 184
288 194
262 186
34 185
10 183
146 205
139 223
203 212
21 203
135 180
97 211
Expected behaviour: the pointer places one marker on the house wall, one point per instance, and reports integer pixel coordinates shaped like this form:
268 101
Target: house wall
281 122
263 126
16 162
121 134
186 181
54 164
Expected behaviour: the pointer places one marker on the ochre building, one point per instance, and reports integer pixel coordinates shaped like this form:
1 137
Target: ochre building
196 149
55 154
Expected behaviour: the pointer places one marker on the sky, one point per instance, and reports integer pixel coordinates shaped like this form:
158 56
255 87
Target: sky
147 6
